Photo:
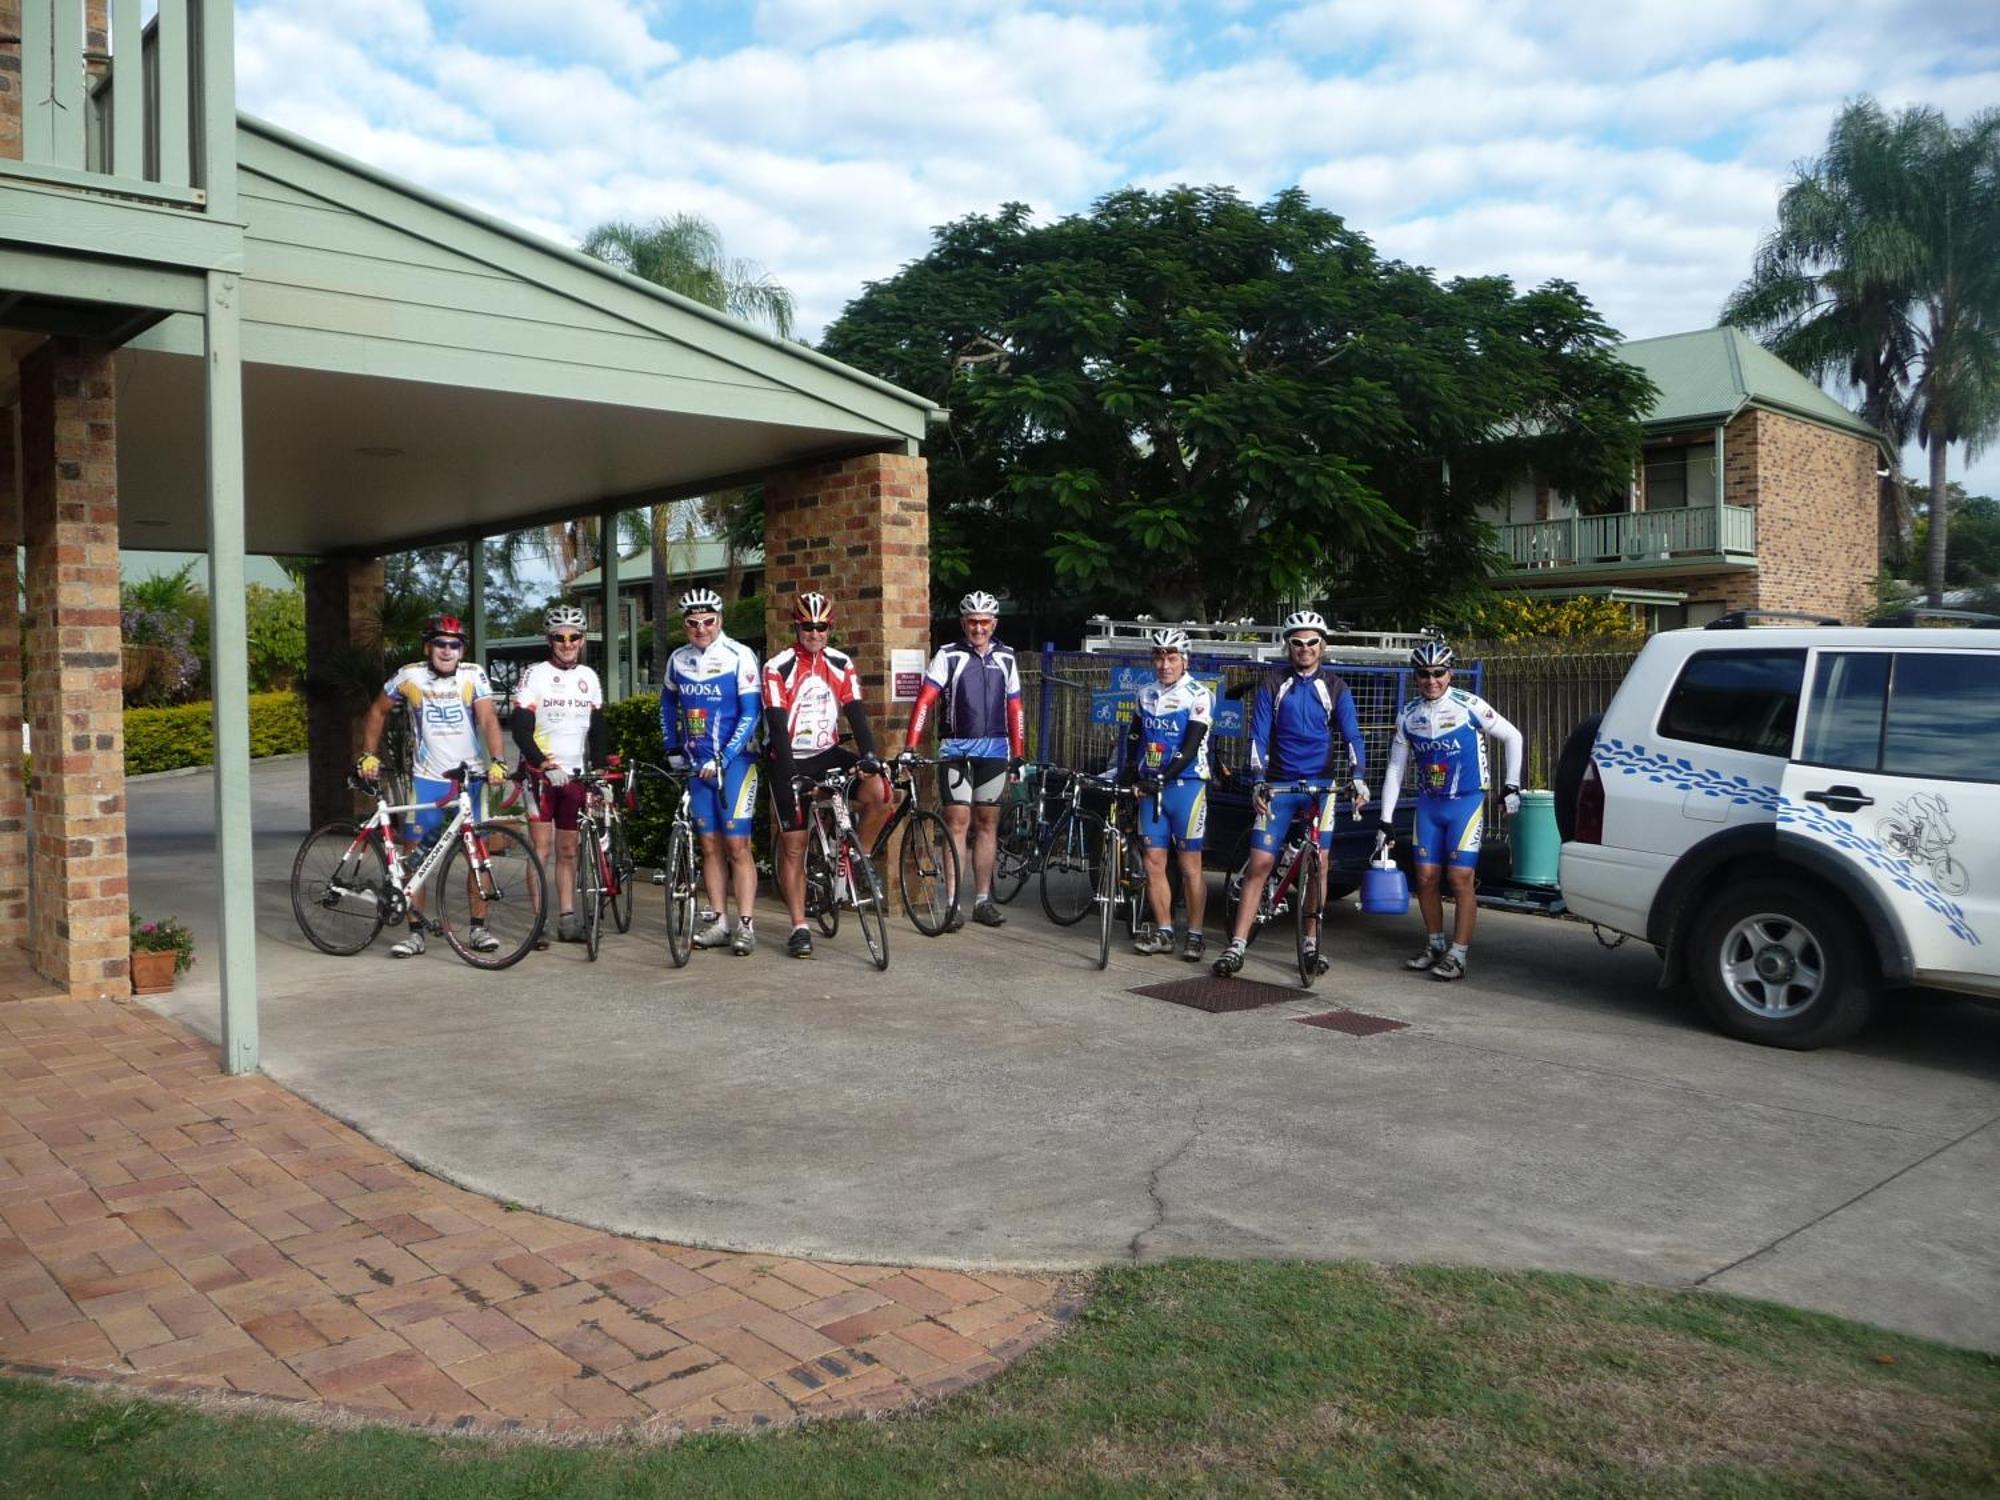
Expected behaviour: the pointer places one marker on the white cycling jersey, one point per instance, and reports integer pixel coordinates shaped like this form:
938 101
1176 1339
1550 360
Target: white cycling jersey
562 699
441 713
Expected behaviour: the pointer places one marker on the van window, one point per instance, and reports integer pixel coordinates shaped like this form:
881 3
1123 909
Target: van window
1944 716
1850 693
1740 700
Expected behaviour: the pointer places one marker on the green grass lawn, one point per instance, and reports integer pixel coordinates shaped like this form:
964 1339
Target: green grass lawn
1215 1378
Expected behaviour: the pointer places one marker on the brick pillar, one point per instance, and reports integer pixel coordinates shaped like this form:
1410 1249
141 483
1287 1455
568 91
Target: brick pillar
10 80
343 673
13 791
69 504
859 531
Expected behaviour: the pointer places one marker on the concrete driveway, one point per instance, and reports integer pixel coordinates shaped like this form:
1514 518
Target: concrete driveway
993 1100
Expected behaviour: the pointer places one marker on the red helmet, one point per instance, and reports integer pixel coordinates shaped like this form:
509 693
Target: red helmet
443 625
812 609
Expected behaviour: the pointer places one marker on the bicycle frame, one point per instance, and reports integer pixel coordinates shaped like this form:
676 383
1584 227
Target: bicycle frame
1278 884
381 825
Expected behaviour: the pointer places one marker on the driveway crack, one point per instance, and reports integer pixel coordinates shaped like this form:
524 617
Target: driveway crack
1137 1246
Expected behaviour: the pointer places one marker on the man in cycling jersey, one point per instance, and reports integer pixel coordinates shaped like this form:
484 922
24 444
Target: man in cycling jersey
709 707
450 704
973 689
558 724
1303 727
1440 740
808 688
1165 757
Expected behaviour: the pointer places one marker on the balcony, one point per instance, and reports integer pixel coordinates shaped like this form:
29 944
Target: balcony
1635 540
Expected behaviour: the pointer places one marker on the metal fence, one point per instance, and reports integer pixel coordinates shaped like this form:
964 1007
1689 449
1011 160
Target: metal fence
1546 693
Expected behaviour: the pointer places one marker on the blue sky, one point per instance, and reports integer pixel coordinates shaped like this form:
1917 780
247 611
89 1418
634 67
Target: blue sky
1632 146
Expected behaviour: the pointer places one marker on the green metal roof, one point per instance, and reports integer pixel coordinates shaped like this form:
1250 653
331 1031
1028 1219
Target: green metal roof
1710 375
691 560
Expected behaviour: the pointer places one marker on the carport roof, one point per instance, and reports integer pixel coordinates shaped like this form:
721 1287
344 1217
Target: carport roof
415 370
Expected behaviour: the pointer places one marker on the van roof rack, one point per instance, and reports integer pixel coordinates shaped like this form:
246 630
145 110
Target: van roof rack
1916 615
1743 619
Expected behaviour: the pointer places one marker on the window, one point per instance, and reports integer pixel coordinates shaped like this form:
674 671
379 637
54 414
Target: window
1850 691
1740 700
1944 716
1666 478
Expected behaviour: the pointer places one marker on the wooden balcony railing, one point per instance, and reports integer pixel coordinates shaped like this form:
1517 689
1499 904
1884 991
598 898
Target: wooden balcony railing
1634 536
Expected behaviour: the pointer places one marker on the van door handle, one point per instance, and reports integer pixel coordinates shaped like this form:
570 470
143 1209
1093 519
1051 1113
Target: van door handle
1842 798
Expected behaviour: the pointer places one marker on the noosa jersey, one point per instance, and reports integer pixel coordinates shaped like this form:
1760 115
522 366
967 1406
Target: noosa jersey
708 707
976 700
562 700
441 715
1443 741
1304 727
1163 717
811 688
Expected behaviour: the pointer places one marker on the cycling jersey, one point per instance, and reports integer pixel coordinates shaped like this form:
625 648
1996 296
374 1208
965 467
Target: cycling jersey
1293 724
562 700
810 688
708 706
978 702
1163 721
1443 740
441 715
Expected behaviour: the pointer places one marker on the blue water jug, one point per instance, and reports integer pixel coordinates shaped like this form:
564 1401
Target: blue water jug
1384 890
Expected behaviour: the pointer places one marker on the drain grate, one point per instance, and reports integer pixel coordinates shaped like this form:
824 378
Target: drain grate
1353 1022
1216 995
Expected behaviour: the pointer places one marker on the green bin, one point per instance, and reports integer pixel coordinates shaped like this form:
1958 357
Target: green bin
1536 841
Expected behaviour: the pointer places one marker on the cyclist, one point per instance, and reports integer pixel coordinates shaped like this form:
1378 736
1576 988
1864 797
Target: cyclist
709 707
1165 755
808 688
1303 727
974 687
1442 733
451 712
558 724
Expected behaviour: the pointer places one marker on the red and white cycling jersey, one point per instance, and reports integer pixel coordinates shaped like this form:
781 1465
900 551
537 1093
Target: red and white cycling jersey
811 687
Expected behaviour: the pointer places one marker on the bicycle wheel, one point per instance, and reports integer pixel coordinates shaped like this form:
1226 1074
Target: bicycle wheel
871 909
1069 866
1132 888
1015 854
589 886
1106 895
820 905
339 883
622 871
927 873
506 882
681 887
1312 864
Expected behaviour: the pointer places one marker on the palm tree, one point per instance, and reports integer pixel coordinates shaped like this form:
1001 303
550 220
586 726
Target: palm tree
1884 273
684 254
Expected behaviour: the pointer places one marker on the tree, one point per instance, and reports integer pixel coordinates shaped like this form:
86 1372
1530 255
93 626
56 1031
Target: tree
1975 535
684 254
1884 273
1185 403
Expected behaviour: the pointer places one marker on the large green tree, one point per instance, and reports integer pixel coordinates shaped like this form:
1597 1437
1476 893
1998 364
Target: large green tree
1884 272
1187 403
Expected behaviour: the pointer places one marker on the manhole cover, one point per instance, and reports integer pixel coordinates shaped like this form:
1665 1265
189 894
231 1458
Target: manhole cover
1353 1022
1215 995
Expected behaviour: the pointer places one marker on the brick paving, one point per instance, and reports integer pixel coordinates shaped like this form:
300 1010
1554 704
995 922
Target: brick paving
178 1231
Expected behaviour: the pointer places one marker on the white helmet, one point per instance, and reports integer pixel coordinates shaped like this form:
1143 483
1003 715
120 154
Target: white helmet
1431 654
1304 619
563 617
979 602
1170 640
694 601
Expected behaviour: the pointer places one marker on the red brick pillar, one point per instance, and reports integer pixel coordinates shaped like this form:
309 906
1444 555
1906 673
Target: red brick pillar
859 531
13 790
69 505
343 674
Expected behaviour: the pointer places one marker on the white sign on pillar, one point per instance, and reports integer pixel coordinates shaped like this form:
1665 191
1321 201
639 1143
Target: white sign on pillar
906 672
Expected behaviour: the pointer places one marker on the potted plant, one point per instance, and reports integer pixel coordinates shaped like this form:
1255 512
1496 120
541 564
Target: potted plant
160 950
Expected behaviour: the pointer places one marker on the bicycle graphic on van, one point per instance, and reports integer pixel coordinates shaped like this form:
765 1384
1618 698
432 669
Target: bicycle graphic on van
1919 832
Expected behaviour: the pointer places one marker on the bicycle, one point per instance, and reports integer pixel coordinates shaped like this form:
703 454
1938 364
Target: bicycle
838 871
1023 832
1120 884
349 880
927 865
680 871
1068 851
604 866
1299 869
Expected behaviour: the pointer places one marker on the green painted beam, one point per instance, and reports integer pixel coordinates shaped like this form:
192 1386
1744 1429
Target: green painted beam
38 87
215 104
56 219
64 278
171 91
68 124
614 619
128 90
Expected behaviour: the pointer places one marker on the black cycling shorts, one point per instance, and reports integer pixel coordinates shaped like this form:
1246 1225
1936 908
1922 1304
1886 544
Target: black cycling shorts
790 817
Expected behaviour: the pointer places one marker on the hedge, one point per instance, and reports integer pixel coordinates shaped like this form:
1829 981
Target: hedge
165 739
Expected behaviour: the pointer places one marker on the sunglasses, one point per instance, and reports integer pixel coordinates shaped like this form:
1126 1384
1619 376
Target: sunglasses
1315 641
567 640
1431 674
808 629
701 622
445 645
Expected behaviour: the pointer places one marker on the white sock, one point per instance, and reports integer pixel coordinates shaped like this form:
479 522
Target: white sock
1438 944
1458 951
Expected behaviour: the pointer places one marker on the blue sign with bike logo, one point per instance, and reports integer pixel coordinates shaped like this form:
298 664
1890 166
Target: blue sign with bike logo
1113 705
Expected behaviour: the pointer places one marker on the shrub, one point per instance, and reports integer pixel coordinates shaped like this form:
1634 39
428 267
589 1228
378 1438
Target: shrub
166 739
166 934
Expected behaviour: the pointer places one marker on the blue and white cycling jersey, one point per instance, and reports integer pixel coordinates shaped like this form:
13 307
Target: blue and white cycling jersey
711 701
1162 717
1303 726
976 699
1443 741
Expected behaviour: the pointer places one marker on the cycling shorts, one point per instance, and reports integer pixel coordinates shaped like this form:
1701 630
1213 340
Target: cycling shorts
555 804
1447 830
1268 833
978 781
430 818
1179 814
791 818
727 804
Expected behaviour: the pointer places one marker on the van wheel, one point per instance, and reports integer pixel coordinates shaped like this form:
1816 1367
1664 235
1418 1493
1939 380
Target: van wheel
1775 962
1569 773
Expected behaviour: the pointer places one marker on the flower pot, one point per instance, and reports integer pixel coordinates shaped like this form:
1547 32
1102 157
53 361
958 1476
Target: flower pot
152 971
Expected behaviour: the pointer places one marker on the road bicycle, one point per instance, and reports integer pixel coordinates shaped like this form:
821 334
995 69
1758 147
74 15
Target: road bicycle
1299 870
839 874
604 867
680 871
1066 853
1120 887
350 879
927 865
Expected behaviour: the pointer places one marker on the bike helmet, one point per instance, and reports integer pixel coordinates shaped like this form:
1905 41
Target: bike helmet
1170 640
1431 654
440 626
1304 619
694 601
979 602
563 617
812 609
